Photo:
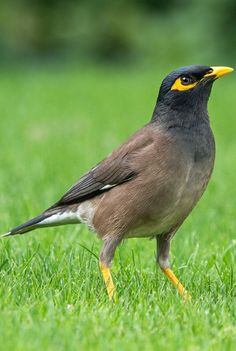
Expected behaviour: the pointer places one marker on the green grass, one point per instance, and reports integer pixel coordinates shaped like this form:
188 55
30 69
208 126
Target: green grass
54 125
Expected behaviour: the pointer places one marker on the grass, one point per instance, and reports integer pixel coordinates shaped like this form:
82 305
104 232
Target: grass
57 123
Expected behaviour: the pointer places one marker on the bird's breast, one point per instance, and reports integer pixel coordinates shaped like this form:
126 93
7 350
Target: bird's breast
170 205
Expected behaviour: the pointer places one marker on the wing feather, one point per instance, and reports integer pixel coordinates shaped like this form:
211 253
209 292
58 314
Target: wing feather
112 171
98 180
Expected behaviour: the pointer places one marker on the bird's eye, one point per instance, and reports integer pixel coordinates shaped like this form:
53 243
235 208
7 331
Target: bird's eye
186 80
210 71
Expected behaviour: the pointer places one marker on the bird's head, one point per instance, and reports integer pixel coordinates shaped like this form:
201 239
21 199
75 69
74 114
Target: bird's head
187 89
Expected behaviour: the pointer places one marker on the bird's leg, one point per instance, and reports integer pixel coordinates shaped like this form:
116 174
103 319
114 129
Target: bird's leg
106 273
163 249
106 257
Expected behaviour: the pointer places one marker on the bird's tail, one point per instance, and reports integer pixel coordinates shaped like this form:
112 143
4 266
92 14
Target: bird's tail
32 224
52 217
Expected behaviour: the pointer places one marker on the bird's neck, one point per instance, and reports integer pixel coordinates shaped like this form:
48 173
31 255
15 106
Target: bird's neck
171 116
185 110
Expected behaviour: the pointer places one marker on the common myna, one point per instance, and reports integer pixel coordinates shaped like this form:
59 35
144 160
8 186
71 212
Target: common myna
150 184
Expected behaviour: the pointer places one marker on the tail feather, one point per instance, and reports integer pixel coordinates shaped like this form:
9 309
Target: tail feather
6 234
28 226
51 217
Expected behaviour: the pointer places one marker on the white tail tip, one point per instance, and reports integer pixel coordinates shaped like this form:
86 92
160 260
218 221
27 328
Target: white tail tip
6 234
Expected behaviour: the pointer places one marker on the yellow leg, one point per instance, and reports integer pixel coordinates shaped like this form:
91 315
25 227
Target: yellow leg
107 279
183 292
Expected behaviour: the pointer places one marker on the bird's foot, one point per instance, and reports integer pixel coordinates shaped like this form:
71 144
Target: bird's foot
175 281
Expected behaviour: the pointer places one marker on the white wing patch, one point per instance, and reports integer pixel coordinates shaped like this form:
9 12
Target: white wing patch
108 186
84 213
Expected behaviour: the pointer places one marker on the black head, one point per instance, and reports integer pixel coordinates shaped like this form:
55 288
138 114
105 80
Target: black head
187 89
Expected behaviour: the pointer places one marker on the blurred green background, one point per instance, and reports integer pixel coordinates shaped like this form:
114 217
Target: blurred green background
76 79
138 30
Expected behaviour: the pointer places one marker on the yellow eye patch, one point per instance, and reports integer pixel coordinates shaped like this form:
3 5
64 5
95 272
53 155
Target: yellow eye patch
178 85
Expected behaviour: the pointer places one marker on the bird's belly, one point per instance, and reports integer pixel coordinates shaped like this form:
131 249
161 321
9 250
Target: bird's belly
142 232
153 228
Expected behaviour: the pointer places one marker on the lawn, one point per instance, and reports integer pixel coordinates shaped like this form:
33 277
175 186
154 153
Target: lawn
57 122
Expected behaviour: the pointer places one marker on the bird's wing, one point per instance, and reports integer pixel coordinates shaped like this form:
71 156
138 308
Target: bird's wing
112 171
99 179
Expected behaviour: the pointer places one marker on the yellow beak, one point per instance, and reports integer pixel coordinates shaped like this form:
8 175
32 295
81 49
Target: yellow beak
219 71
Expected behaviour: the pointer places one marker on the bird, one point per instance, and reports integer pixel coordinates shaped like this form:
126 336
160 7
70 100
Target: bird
149 185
